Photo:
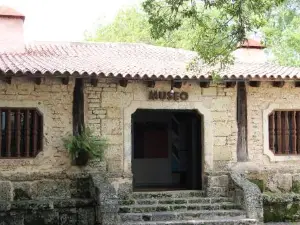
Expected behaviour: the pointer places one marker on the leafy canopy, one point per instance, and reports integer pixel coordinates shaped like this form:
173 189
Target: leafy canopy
282 33
213 29
219 25
131 25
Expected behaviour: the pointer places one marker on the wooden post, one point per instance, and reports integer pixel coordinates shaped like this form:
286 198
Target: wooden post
78 106
242 149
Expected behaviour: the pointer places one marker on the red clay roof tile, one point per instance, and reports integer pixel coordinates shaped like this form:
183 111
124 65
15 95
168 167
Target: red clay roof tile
126 60
6 11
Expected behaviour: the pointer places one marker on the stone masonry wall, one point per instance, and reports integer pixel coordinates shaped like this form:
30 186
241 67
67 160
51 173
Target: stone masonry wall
281 175
108 102
54 100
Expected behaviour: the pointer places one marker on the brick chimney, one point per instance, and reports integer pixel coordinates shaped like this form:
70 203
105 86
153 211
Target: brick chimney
251 51
11 30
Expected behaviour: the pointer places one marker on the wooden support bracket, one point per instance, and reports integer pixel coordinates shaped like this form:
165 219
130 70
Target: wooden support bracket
278 83
123 83
204 83
65 80
254 83
151 83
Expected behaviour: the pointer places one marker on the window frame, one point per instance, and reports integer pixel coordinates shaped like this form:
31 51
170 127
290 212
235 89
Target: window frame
266 149
40 136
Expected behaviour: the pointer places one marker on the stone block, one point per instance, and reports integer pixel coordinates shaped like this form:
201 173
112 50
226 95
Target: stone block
220 141
86 216
284 182
222 128
218 181
42 218
114 112
279 183
111 126
51 189
296 184
222 153
81 188
22 191
222 104
116 99
6 191
212 91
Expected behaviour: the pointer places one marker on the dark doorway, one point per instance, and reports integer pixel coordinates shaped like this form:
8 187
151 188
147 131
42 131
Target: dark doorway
167 149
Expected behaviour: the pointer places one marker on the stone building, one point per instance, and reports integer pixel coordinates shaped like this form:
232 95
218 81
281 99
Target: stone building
181 146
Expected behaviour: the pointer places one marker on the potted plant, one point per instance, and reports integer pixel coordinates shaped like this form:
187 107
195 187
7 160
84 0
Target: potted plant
85 146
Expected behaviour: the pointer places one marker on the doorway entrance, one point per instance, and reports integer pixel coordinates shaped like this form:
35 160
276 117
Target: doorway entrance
167 149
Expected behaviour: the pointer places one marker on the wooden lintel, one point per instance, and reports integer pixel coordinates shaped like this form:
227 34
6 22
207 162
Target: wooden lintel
230 84
297 83
94 82
204 83
254 83
65 80
151 83
177 84
123 83
8 79
38 80
278 83
241 112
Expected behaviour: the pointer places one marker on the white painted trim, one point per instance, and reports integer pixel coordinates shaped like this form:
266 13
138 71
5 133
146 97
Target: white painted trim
208 124
267 151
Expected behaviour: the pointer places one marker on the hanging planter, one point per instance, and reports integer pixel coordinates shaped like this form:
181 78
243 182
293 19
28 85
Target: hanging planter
85 146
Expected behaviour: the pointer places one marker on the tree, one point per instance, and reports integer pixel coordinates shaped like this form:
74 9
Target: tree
214 38
219 25
282 33
131 25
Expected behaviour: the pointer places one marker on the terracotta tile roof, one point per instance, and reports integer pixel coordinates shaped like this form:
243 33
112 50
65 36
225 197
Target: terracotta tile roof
250 43
6 11
124 60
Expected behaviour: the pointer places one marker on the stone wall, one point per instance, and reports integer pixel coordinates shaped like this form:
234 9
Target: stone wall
53 198
54 101
109 108
275 173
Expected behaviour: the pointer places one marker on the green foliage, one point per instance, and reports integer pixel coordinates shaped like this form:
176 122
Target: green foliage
131 25
218 25
282 33
87 142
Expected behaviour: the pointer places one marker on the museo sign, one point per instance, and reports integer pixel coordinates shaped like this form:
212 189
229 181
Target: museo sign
162 95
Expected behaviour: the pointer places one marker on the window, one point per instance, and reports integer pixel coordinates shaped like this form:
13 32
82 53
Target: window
21 132
284 132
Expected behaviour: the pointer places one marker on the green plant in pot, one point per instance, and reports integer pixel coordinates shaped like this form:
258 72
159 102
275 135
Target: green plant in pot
85 146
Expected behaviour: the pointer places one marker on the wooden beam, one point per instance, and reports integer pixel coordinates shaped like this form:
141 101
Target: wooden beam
204 83
242 149
94 82
278 83
78 106
177 84
65 80
151 83
38 80
254 83
230 84
123 83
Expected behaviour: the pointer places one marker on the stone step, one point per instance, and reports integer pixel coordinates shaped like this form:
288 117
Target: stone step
198 222
186 215
168 194
194 200
177 207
